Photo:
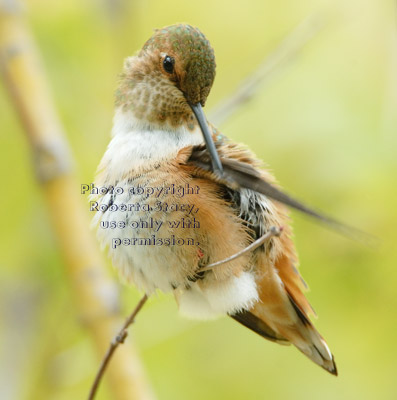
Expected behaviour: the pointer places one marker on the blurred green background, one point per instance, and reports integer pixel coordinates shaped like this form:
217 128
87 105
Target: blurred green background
325 124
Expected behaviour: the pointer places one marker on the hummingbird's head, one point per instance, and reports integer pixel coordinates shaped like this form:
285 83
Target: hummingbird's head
185 58
168 81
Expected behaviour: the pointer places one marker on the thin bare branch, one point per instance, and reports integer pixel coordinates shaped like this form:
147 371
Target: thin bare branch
119 339
273 231
283 53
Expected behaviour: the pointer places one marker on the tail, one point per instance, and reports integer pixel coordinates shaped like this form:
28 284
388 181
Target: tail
279 318
304 337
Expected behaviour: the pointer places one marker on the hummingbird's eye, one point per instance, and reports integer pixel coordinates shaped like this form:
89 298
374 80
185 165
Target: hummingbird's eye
168 64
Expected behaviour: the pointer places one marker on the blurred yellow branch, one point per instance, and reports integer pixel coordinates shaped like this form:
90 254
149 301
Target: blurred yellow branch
96 294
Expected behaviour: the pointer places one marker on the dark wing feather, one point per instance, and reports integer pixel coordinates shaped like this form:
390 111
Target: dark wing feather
258 326
238 174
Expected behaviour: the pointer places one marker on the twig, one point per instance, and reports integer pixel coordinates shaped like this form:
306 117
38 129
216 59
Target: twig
119 339
284 52
273 231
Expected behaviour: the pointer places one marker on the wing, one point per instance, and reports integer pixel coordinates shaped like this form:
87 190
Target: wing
241 171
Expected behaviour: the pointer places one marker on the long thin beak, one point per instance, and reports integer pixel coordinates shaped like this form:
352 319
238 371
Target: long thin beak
216 162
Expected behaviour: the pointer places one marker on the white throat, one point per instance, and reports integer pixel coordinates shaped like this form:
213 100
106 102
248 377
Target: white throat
139 145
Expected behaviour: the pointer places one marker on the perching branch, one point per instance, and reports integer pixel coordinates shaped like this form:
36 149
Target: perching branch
273 231
95 293
119 339
283 53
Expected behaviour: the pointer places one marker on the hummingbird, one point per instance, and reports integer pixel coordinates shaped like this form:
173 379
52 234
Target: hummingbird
179 196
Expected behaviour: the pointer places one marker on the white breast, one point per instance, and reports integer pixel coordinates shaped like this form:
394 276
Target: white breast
138 147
